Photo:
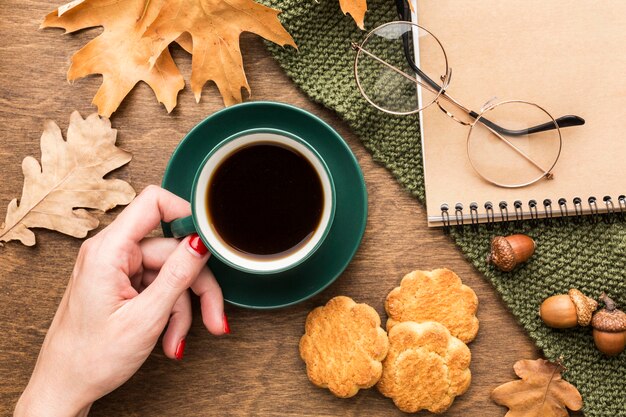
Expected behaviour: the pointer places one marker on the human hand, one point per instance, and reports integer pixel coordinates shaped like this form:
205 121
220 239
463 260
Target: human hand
123 291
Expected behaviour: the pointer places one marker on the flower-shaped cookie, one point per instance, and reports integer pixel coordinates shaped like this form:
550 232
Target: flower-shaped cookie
343 346
426 367
437 295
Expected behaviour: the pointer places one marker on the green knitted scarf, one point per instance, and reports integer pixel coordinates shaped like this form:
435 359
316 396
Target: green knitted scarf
588 256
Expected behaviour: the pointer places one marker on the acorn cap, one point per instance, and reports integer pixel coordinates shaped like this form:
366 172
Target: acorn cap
585 306
609 319
510 251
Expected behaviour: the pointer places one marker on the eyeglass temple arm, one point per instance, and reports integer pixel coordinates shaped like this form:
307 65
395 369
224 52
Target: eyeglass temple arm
404 13
563 121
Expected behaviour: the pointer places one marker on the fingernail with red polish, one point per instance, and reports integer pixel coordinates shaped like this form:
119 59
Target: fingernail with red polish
197 245
226 326
180 350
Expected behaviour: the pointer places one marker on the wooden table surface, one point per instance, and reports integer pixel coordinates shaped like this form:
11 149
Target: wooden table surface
256 370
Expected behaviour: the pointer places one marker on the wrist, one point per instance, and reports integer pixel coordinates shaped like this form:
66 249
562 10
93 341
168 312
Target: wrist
42 401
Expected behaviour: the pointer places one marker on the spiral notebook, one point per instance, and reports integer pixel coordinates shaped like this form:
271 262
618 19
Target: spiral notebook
569 57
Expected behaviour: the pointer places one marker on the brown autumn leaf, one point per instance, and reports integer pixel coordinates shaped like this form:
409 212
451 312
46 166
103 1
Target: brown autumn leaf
124 55
356 9
215 27
69 180
120 53
540 393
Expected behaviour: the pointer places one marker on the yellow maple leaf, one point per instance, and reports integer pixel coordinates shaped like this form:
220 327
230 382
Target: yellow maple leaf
356 9
68 181
215 27
120 53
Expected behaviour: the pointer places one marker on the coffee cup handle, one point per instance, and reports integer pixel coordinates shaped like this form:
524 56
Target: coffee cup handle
183 226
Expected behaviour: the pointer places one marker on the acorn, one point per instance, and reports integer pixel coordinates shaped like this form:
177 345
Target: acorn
509 251
567 310
609 328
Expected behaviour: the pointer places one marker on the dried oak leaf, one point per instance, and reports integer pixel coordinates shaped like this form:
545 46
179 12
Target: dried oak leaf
215 27
121 53
69 180
540 393
356 9
125 53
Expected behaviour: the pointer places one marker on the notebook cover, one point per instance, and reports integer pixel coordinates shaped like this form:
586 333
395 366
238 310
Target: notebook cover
567 57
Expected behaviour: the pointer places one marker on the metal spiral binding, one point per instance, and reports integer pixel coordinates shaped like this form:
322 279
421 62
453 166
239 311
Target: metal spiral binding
490 215
504 211
610 209
564 211
608 202
458 214
622 205
578 208
613 210
563 207
474 214
519 213
593 207
445 217
547 206
532 209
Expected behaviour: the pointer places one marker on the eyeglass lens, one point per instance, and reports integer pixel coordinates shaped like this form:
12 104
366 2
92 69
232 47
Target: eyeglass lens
386 78
498 146
513 160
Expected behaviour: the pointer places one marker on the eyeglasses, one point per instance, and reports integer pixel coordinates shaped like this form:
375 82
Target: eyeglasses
510 144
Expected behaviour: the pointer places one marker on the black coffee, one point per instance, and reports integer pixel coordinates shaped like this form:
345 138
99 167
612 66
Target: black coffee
265 200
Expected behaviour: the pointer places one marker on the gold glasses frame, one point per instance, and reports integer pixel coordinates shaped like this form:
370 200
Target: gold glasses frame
441 93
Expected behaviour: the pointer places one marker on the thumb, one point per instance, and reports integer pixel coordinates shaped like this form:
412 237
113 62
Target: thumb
177 274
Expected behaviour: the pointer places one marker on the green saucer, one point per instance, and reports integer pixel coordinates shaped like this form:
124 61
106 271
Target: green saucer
322 268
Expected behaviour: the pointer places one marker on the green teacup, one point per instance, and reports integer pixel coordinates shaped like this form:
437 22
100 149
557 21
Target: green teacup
203 222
